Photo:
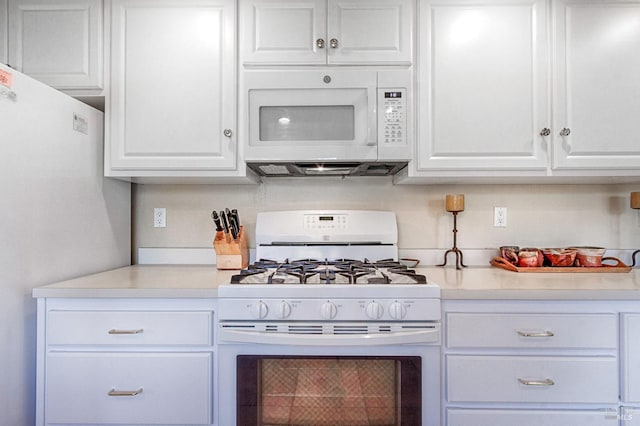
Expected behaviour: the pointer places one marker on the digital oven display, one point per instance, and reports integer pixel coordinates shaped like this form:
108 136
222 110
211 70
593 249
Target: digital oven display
325 218
394 95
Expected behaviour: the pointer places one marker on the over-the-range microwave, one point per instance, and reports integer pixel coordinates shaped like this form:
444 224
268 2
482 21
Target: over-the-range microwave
327 122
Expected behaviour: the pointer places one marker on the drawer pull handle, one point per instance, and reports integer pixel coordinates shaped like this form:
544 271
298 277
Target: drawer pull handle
546 333
114 392
545 382
115 331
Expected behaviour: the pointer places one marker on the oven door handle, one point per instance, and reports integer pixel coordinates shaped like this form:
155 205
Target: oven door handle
294 339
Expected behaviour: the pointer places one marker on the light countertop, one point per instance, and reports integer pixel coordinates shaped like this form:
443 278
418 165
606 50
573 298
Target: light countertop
188 281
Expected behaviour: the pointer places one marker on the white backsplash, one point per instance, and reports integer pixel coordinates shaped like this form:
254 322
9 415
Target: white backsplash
538 215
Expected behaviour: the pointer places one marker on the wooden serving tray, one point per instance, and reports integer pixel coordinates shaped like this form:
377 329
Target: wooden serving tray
503 263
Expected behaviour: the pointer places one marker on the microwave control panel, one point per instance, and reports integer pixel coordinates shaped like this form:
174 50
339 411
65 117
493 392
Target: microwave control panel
393 116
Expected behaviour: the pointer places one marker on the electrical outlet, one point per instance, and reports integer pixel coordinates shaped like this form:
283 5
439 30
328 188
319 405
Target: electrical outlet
159 217
500 217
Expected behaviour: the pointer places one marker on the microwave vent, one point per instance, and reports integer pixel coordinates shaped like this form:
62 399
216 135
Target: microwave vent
326 169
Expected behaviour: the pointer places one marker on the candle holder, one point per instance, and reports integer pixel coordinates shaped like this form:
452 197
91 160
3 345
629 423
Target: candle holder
455 205
634 202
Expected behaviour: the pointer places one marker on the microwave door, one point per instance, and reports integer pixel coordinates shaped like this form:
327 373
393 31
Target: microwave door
312 124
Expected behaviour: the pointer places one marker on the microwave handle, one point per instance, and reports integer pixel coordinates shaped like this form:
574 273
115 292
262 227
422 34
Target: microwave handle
372 125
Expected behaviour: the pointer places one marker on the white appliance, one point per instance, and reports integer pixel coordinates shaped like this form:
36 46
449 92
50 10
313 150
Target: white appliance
292 309
60 218
327 122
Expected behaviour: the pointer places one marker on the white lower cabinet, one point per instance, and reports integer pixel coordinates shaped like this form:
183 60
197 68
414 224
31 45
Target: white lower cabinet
129 388
630 355
498 417
630 416
125 362
520 378
530 363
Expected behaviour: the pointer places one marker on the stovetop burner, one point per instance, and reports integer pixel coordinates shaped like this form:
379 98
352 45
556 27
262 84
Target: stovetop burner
335 271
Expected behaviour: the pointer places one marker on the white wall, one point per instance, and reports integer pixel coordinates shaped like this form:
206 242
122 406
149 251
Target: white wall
538 215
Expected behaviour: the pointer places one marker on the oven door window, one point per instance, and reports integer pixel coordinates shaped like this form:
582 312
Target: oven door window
328 391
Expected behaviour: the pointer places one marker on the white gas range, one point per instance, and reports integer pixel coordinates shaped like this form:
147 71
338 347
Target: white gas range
328 285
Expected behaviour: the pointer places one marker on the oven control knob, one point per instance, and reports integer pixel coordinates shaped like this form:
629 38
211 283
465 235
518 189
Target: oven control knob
374 310
259 310
397 310
285 310
328 310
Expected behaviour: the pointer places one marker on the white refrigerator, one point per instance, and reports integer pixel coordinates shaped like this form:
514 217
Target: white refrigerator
59 218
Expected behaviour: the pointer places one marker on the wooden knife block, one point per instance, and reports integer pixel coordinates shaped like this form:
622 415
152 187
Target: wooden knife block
230 253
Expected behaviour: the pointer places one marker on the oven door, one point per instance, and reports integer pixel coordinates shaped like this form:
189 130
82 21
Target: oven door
311 116
328 383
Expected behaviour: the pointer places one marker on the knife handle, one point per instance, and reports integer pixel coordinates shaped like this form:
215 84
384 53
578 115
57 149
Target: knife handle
235 214
233 227
216 220
225 221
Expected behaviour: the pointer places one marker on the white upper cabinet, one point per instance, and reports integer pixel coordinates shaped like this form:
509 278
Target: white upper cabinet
172 104
57 42
283 32
597 85
319 32
483 85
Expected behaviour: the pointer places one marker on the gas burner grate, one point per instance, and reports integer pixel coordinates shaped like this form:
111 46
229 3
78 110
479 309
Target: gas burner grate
328 271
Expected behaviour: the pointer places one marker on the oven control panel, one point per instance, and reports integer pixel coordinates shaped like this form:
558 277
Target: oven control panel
384 309
325 222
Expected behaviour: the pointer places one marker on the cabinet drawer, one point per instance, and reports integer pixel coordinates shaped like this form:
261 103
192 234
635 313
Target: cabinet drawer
129 328
557 331
532 379
466 417
176 388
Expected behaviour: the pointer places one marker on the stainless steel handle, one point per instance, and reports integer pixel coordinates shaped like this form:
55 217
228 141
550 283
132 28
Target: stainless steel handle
565 132
320 43
545 132
543 382
333 43
228 133
227 336
116 331
114 392
545 333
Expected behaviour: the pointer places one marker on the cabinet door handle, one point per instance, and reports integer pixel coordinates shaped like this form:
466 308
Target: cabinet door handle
333 43
114 392
320 43
545 132
545 333
565 132
228 132
543 382
116 331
